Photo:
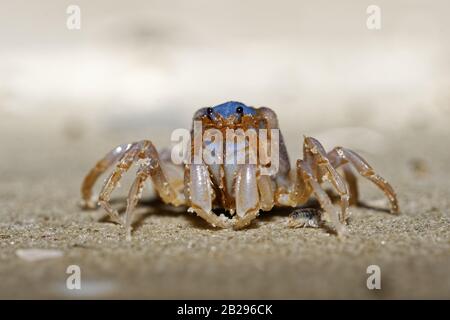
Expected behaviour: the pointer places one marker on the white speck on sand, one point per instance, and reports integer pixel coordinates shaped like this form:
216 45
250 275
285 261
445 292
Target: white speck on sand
32 255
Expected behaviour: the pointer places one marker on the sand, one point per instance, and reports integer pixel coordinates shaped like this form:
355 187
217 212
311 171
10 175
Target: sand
174 254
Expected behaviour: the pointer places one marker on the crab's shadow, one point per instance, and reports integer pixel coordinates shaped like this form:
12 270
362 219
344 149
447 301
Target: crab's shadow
155 207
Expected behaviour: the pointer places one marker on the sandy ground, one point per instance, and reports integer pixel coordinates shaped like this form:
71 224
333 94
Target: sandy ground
139 69
176 255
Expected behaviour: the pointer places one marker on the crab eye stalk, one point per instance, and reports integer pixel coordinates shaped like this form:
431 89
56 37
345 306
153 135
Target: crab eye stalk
209 112
239 110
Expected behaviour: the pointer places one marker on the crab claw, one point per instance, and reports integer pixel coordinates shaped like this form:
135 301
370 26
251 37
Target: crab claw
200 193
247 197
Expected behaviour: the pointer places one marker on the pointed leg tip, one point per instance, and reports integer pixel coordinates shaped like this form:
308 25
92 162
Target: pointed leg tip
128 235
87 204
342 232
395 209
116 219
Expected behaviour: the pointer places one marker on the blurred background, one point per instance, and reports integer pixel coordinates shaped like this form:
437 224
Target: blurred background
139 69
137 65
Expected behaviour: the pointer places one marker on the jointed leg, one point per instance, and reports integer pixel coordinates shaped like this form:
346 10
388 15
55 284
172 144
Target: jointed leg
150 166
269 117
124 164
341 156
306 175
352 185
134 196
86 189
314 154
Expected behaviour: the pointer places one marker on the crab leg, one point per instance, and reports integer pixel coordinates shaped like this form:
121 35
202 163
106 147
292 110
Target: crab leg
340 156
315 155
143 150
101 166
134 196
306 175
270 120
351 183
111 183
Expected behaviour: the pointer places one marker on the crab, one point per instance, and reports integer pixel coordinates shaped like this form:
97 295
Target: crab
231 195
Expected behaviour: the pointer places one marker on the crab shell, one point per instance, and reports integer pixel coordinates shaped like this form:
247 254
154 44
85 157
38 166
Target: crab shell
238 188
